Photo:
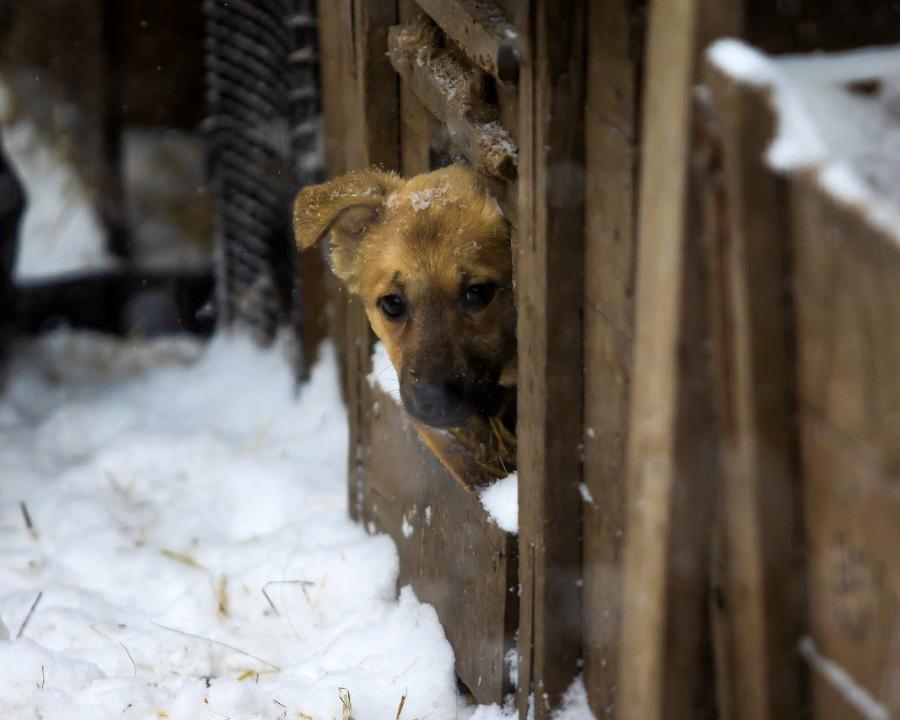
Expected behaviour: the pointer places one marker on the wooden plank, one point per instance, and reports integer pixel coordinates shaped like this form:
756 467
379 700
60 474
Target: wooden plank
361 130
671 439
483 33
453 94
333 77
847 302
421 134
549 299
853 535
848 275
373 133
613 71
762 596
334 49
451 553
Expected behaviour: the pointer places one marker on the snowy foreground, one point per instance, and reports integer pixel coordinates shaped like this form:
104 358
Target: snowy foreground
167 486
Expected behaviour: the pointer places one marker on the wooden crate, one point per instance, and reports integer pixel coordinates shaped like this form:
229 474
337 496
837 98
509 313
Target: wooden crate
807 350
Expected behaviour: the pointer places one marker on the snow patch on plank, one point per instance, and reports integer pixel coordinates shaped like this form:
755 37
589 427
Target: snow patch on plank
838 116
501 500
383 375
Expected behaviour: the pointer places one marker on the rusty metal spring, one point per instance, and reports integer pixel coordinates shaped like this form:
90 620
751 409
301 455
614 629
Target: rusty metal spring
263 133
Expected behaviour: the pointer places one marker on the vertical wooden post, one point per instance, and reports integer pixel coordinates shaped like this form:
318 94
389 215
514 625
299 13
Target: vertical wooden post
549 289
361 121
670 446
762 567
612 129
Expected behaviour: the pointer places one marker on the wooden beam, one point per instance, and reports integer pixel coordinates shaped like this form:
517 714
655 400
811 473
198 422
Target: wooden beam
670 446
454 556
360 108
549 295
483 33
762 604
450 91
847 300
612 122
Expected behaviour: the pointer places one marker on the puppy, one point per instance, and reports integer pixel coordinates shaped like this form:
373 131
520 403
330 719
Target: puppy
430 257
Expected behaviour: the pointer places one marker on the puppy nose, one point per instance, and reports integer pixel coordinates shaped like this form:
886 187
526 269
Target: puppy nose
441 405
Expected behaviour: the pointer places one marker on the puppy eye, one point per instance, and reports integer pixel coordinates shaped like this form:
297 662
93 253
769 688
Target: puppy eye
393 306
478 297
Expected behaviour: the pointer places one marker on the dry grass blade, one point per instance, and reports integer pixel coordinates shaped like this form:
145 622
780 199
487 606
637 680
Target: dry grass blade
222 596
128 653
402 702
347 708
217 642
30 613
181 557
26 516
302 583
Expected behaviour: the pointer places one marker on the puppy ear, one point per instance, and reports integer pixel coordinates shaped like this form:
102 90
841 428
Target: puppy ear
345 208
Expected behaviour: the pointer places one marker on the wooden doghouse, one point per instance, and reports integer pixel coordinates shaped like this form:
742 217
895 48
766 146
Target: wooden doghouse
672 581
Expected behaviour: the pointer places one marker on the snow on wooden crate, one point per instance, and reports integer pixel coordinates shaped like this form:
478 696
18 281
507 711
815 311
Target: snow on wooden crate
829 125
838 115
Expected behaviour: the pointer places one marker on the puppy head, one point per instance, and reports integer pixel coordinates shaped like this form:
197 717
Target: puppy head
430 257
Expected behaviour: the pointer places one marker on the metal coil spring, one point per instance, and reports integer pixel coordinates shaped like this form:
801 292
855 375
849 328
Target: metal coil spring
263 134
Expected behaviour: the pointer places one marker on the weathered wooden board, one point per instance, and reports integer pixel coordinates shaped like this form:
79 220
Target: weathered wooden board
612 121
853 537
362 130
663 669
848 279
451 553
848 355
760 608
482 31
453 93
549 296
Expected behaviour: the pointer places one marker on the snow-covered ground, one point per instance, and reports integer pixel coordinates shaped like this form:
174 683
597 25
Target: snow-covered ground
167 485
174 535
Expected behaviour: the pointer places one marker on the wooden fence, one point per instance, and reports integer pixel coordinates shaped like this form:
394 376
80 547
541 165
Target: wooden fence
707 458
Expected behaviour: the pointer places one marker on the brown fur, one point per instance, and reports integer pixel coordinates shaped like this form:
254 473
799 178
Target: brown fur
428 239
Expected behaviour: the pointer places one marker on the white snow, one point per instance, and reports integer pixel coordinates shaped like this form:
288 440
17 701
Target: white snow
849 137
383 374
168 483
574 706
423 199
61 229
585 493
501 500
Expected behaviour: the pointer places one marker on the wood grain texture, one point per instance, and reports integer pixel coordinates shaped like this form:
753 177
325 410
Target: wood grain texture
849 306
452 554
480 28
444 86
361 130
848 351
671 443
549 294
762 600
612 120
